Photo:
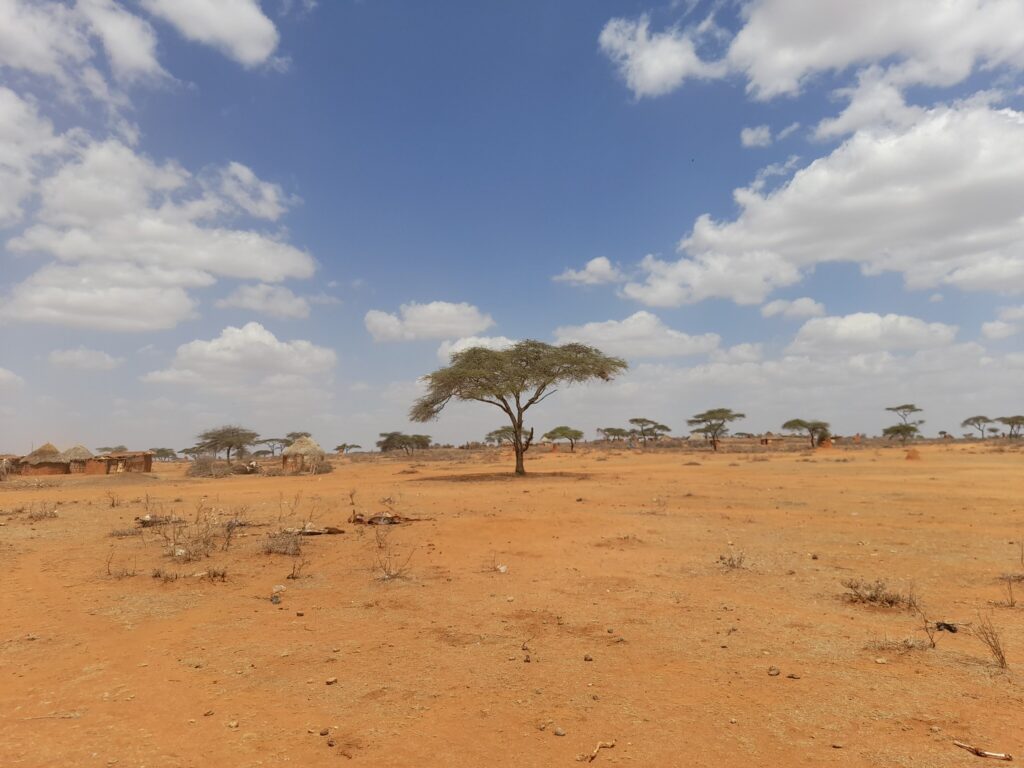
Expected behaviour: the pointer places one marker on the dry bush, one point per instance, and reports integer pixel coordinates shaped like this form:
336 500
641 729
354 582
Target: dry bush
323 468
878 594
118 573
390 566
217 574
186 542
986 632
165 576
123 533
906 645
297 567
283 543
732 561
41 511
207 466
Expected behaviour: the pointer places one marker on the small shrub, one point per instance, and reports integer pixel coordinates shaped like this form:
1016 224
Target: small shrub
732 561
283 543
390 566
906 645
989 635
42 512
123 533
165 576
217 574
878 594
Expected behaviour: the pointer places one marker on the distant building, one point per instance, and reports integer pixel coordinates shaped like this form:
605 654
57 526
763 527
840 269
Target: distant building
44 460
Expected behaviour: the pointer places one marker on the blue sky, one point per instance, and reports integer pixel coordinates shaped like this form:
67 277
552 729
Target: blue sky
282 213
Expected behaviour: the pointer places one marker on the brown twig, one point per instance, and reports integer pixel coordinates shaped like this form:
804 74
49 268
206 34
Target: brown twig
584 758
982 752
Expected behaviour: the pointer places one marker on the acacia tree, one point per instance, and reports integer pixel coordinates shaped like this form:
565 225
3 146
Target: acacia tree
346 447
648 429
903 432
613 433
291 437
565 433
275 444
514 380
977 422
112 449
714 424
164 454
1013 423
501 435
816 430
398 441
905 411
227 438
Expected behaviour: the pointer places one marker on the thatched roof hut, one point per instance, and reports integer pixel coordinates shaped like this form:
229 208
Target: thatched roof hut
304 453
78 453
46 453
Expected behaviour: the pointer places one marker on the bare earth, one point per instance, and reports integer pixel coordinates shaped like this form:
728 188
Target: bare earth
611 557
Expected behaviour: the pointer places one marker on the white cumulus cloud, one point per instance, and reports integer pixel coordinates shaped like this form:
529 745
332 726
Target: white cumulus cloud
84 359
870 332
653 64
130 237
597 271
249 362
449 348
937 201
642 334
756 136
433 320
239 28
802 307
9 379
274 300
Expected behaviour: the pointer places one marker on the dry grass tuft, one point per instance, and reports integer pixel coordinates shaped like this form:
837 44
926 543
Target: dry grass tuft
283 543
878 594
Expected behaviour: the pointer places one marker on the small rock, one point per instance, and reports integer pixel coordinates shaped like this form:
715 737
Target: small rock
324 731
793 676
773 672
559 732
611 631
502 569
509 599
278 588
275 599
233 724
207 713
732 720
814 557
935 729
300 613
881 661
330 742
331 680
837 746
588 657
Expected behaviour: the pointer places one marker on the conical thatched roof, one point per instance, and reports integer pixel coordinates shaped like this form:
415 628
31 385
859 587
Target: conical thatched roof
46 453
78 453
307 447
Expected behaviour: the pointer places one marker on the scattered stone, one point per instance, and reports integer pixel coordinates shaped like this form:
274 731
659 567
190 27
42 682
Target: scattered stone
300 613
935 729
559 732
330 742
793 676
207 713
732 720
501 569
331 680
814 556
881 661
324 731
774 672
588 657
233 724
837 746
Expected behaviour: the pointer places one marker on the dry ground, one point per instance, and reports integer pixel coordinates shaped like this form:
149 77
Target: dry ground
610 557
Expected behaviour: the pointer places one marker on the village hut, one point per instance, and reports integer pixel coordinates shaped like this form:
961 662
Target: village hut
303 455
44 460
119 462
77 458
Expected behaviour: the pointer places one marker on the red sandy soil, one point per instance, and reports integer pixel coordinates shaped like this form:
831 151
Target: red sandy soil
610 556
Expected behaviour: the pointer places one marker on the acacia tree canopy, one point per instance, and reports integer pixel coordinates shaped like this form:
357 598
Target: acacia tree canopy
1015 423
648 429
902 432
977 422
227 438
514 380
816 430
905 411
398 441
565 433
714 423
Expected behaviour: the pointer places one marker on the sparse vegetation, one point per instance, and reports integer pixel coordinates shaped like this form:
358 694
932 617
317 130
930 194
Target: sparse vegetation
987 633
877 593
732 561
283 543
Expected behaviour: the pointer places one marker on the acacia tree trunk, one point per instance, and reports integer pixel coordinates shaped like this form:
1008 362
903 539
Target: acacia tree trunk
572 446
